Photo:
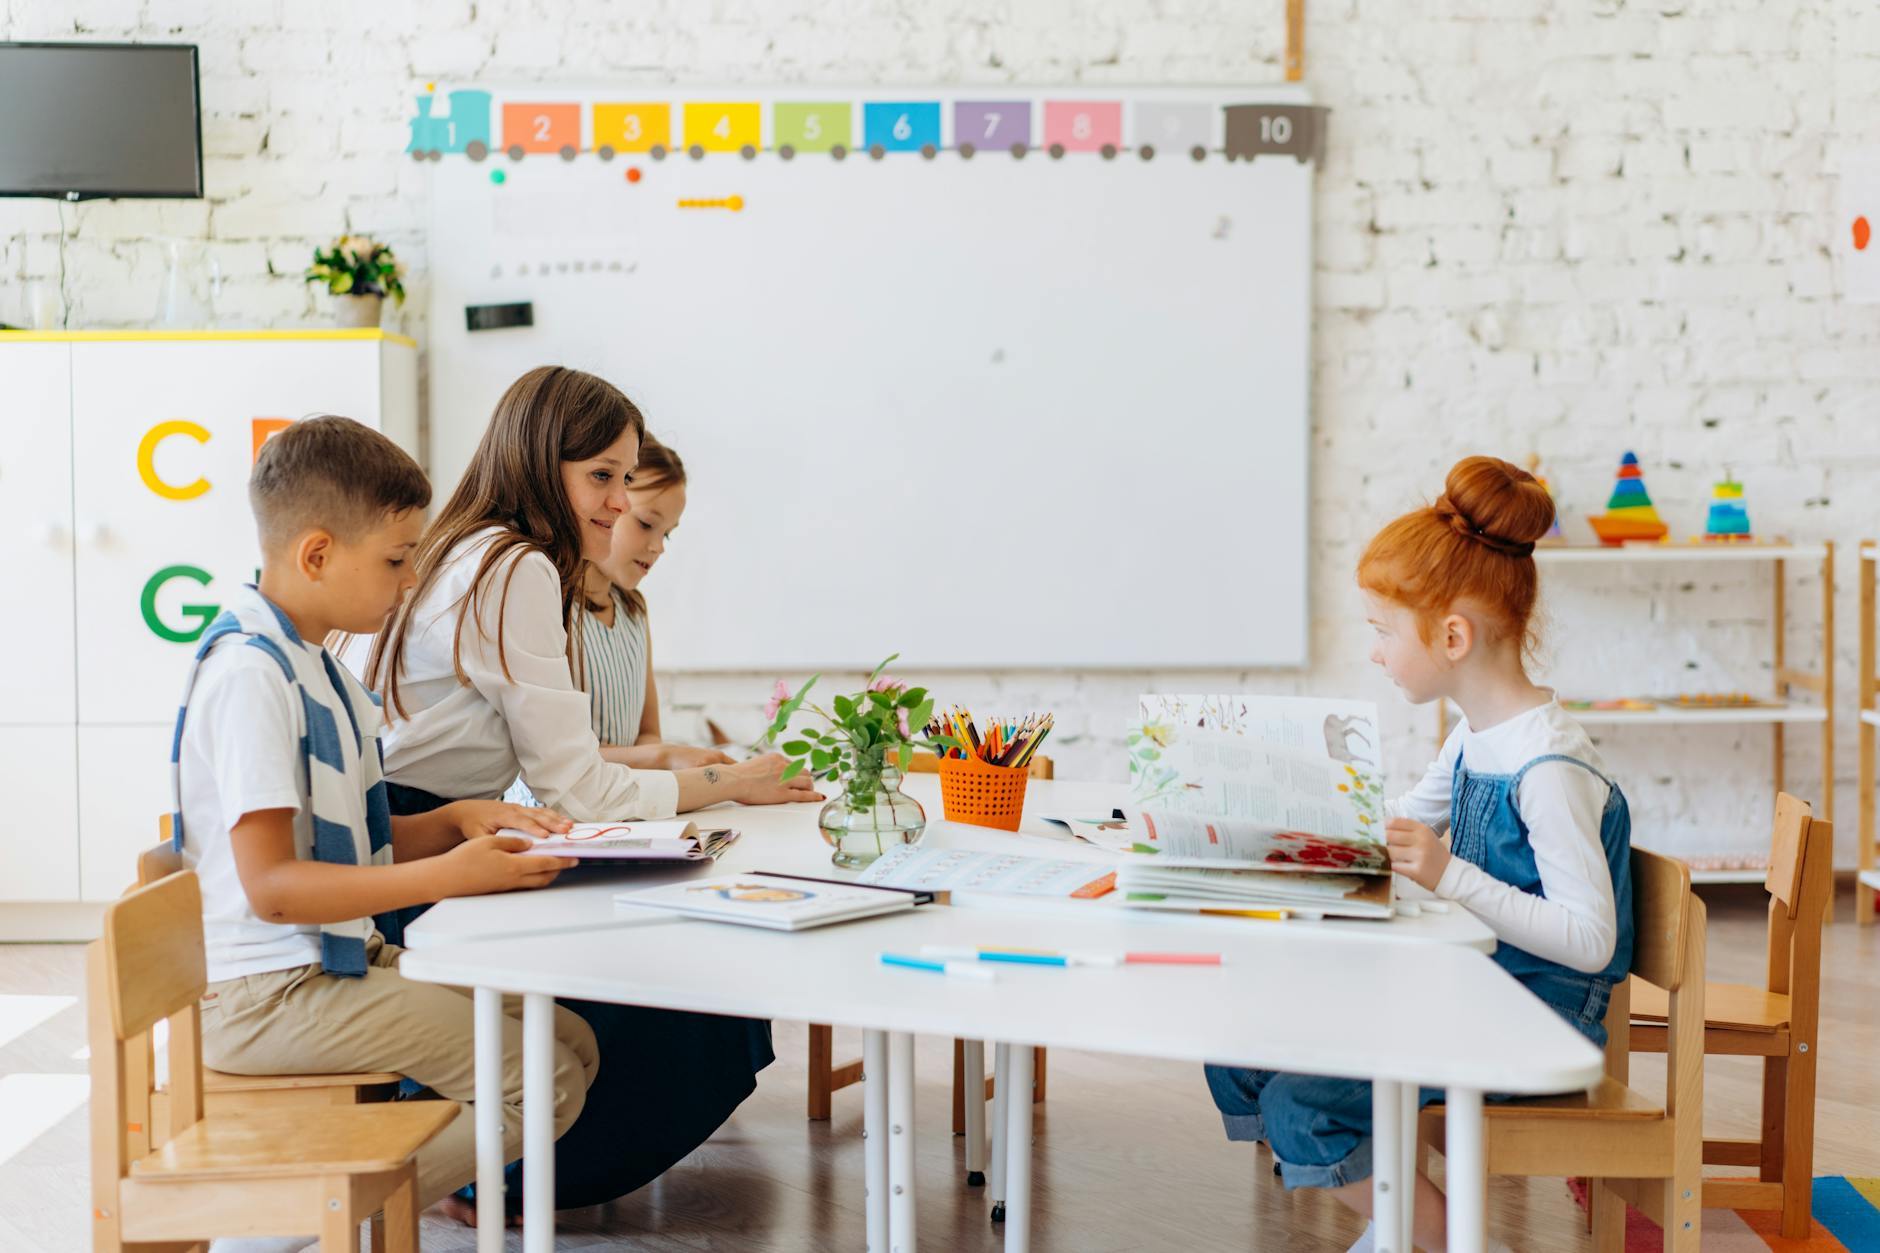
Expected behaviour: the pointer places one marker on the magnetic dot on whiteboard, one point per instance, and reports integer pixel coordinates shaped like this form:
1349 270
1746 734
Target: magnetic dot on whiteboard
498 177
496 271
633 175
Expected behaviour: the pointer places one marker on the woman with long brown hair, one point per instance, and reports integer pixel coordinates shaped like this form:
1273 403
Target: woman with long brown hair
481 673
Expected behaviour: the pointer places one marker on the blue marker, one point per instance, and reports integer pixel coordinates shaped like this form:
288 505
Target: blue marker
960 970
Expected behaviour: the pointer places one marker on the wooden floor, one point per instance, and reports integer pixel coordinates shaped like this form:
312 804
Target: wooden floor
1130 1154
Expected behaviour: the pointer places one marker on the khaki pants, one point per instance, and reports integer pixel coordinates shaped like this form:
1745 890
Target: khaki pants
304 1020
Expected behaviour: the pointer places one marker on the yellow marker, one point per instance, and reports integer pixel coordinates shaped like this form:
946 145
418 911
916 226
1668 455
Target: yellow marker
147 459
1271 915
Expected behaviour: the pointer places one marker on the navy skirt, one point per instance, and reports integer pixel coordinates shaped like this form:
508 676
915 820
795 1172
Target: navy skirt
639 1119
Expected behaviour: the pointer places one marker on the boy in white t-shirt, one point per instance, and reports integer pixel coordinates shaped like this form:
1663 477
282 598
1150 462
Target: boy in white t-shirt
281 811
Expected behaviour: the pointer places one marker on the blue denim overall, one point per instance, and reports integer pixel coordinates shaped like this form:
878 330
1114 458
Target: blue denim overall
1320 1128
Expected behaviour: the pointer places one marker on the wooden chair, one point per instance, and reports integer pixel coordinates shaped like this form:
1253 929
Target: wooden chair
164 1185
1630 1147
1776 1023
826 1078
224 1093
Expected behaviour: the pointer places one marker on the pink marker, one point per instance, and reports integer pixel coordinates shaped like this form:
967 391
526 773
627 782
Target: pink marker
1173 959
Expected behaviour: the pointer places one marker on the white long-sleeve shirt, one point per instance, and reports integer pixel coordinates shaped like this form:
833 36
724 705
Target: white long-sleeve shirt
470 741
1573 920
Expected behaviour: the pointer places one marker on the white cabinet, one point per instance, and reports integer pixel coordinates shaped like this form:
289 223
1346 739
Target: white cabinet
129 496
39 844
36 522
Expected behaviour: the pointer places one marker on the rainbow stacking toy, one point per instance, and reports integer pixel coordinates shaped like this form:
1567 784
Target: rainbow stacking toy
1630 514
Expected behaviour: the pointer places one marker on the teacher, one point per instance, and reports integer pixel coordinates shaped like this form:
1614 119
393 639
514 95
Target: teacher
481 675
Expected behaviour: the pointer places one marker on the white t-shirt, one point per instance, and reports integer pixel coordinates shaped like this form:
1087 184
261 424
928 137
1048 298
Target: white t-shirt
1573 920
240 754
459 741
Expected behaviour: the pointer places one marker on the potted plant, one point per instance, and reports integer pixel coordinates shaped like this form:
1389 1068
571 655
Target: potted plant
870 739
360 272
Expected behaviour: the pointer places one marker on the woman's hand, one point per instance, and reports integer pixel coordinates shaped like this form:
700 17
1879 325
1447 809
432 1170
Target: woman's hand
1416 852
757 781
688 757
478 818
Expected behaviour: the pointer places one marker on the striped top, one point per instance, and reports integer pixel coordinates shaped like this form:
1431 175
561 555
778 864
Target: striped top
615 657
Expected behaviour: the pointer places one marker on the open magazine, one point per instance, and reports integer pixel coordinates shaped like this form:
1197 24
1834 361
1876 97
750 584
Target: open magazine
1256 802
671 840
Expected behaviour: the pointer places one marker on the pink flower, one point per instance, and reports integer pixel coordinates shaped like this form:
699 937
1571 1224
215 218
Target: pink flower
780 694
886 683
900 716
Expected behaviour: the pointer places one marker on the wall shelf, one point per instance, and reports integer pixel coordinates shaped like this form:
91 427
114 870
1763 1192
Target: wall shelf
1789 682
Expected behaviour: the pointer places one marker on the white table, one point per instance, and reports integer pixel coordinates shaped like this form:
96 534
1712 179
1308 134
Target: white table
1403 1015
784 838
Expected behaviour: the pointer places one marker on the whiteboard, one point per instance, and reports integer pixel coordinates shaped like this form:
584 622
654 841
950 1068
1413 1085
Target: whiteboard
984 410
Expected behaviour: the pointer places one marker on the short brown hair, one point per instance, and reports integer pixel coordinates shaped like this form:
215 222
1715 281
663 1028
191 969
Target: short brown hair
333 473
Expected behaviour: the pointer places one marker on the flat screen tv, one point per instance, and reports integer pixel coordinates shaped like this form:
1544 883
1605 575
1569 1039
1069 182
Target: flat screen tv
89 120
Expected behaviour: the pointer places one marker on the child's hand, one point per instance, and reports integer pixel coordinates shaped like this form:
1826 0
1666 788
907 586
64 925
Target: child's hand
496 863
474 818
686 757
1415 852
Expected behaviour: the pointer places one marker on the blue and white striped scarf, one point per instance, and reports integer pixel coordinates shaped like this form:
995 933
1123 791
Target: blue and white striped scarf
342 763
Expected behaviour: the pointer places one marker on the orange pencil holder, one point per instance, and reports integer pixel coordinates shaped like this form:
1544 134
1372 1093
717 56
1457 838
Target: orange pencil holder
981 794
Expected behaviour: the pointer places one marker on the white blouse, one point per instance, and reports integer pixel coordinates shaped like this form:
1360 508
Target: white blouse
615 659
460 741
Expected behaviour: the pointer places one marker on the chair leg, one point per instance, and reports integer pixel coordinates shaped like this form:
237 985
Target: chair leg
1798 1146
1683 1210
1605 1214
1775 1089
1037 1077
822 1063
399 1220
339 1221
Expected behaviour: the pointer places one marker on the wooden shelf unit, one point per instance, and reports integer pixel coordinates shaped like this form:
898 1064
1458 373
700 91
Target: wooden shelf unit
1788 680
1867 684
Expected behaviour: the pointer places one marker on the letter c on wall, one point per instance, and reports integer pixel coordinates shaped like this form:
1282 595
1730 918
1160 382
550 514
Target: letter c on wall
147 459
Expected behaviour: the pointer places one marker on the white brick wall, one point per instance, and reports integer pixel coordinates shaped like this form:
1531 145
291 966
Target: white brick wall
1544 225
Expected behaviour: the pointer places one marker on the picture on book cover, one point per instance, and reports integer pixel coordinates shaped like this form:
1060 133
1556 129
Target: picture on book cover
1274 782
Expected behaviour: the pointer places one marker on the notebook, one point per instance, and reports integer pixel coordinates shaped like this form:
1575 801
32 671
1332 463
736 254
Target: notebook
1256 802
775 901
632 841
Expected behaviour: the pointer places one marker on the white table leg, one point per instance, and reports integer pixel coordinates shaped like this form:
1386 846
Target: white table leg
1387 1167
1467 1175
1408 1202
874 1137
901 1233
538 1123
1018 1152
1001 1144
973 1093
489 1119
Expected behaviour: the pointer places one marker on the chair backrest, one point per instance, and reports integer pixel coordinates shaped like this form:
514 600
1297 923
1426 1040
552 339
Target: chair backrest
159 861
1042 767
1800 883
148 967
1786 847
1669 940
1661 913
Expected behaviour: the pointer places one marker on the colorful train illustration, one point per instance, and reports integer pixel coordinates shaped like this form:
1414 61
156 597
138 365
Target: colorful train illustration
697 128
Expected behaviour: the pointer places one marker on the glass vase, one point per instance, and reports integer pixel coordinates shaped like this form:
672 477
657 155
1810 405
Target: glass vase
869 816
